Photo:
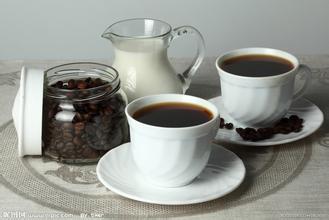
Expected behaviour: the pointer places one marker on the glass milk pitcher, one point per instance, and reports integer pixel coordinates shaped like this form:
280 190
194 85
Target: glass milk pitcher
140 48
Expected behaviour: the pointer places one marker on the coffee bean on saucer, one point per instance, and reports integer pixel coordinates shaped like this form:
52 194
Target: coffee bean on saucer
298 129
300 121
265 132
283 121
284 126
221 123
228 126
285 130
250 130
294 118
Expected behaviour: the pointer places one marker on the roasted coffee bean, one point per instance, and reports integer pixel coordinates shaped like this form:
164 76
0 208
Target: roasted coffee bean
51 113
239 130
81 84
67 125
284 121
294 118
60 145
108 89
221 123
90 130
295 126
88 80
99 133
285 130
71 84
86 116
298 129
79 108
67 136
300 121
98 82
98 119
58 84
77 118
284 126
265 132
108 110
89 153
93 107
250 130
77 141
77 132
79 126
229 126
68 146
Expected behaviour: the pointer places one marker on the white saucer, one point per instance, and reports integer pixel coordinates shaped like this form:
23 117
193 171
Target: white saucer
312 115
224 173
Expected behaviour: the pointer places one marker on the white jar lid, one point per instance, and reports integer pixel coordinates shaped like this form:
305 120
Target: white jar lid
27 112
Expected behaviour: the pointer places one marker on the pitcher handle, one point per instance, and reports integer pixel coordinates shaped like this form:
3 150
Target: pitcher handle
186 76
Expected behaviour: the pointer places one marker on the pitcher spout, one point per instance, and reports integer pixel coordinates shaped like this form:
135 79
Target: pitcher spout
107 34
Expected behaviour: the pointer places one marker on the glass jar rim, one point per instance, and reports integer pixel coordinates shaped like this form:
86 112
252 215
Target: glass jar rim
99 70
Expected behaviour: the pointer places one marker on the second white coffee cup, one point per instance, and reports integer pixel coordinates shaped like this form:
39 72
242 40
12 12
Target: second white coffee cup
171 156
260 101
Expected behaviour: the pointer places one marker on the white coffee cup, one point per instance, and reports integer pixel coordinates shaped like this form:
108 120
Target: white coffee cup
260 101
166 156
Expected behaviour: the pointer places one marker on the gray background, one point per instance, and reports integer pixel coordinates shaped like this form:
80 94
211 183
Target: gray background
71 29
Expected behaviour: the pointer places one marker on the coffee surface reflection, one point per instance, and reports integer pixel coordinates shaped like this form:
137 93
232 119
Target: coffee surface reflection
173 114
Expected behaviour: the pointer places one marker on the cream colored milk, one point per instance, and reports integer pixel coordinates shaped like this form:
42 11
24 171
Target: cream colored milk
144 68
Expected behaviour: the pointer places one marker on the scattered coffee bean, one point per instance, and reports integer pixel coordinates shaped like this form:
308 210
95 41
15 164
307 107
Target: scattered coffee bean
229 126
221 123
294 118
284 126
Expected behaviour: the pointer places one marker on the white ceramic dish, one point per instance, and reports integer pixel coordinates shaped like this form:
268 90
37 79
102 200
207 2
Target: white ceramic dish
312 115
223 173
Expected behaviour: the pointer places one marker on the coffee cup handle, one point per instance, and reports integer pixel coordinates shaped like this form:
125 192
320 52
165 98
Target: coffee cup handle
186 76
303 69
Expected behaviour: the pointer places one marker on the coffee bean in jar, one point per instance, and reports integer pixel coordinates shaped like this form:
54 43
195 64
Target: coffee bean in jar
83 112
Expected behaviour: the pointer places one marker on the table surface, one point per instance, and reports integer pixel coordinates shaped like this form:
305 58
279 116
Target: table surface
285 181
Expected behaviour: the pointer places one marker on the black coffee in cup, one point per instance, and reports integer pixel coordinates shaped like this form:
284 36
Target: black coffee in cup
256 65
173 114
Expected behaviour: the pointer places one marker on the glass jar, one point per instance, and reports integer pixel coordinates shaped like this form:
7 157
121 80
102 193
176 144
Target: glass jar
83 112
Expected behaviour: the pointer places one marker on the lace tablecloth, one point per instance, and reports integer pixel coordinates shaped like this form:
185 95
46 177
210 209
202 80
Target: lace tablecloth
284 181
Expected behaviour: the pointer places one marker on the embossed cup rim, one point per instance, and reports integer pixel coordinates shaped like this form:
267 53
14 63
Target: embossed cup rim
171 98
257 51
